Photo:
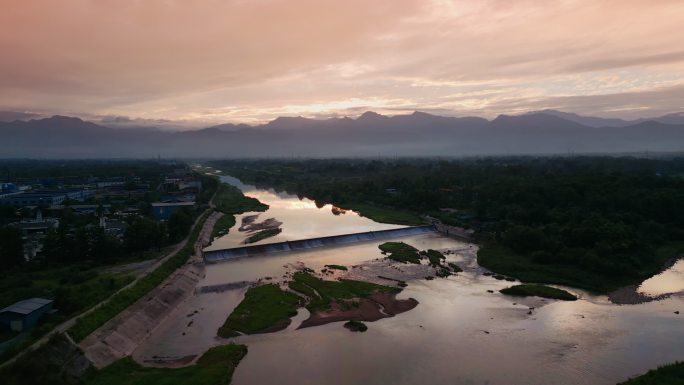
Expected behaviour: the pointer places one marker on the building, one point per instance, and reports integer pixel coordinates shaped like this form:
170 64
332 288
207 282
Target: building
25 314
47 198
84 209
162 211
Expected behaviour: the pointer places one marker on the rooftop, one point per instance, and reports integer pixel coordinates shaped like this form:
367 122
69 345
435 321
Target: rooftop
27 306
172 204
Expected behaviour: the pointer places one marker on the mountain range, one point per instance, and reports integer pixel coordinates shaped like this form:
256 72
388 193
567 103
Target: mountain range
369 135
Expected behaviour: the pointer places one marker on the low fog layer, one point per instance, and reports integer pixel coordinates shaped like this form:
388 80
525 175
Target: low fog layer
418 134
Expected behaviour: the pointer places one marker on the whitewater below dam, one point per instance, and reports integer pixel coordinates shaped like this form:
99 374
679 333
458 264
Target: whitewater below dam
462 332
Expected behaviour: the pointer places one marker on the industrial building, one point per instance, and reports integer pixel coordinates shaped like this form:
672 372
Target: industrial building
47 198
25 314
163 211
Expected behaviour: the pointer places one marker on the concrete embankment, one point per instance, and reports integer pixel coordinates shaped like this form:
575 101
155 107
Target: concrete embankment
121 335
304 244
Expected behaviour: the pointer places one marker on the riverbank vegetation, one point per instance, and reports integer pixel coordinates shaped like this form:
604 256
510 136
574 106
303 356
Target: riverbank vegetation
264 309
230 200
385 214
222 226
533 290
592 222
215 367
672 374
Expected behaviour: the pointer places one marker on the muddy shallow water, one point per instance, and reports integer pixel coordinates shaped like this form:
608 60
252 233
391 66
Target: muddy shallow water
458 334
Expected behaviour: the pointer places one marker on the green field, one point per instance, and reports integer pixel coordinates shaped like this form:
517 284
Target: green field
120 301
532 290
321 293
215 367
672 374
401 252
264 308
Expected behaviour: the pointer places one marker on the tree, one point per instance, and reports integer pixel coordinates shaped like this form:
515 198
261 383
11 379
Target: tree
144 233
11 247
179 224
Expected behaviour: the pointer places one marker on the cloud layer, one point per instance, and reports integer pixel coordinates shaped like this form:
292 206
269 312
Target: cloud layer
247 61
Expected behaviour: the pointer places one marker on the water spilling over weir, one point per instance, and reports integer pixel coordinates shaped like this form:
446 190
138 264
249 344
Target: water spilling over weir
304 244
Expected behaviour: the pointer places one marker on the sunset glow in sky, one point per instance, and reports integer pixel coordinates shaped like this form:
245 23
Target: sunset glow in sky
253 60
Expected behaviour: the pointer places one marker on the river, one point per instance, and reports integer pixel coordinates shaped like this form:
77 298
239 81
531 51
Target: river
460 333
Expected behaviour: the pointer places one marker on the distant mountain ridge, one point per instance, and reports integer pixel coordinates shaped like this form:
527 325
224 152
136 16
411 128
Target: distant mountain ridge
674 118
371 134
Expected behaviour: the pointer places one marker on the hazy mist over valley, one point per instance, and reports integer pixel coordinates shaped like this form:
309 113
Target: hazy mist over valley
368 135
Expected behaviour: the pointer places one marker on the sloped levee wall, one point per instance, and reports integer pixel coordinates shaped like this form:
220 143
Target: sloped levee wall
304 244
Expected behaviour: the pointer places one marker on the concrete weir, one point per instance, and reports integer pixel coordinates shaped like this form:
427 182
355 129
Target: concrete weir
304 244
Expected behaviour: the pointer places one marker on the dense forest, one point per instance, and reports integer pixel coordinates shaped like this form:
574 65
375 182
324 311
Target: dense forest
592 222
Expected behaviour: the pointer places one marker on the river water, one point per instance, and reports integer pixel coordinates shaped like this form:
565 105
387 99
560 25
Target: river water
301 218
460 333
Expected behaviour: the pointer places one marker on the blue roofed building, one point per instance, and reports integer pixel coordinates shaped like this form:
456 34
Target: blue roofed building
162 211
25 314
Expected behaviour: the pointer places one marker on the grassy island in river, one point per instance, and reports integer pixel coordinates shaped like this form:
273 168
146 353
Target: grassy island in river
322 293
532 290
356 326
401 252
264 309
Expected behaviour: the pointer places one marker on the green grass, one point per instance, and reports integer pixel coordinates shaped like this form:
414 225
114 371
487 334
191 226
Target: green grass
215 367
356 326
321 293
264 308
532 290
230 200
222 226
503 260
6 335
387 215
454 267
263 234
434 256
442 272
401 252
336 267
672 374
120 301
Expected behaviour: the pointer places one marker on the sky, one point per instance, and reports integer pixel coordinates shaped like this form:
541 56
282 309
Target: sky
211 61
